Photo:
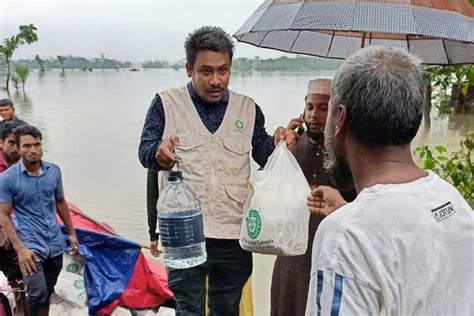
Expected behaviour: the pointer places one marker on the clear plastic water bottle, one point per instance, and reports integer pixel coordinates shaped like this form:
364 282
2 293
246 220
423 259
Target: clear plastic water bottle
180 223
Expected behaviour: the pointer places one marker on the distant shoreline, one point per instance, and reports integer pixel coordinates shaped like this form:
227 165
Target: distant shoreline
239 65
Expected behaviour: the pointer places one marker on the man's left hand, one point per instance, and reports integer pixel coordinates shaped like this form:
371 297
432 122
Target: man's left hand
290 137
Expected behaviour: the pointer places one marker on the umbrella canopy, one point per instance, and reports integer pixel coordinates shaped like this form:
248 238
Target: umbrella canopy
438 31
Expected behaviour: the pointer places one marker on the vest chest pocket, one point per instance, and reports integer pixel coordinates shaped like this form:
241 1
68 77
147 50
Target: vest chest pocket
240 145
190 147
234 161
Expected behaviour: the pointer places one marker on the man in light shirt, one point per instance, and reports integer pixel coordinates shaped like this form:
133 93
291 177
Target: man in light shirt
404 246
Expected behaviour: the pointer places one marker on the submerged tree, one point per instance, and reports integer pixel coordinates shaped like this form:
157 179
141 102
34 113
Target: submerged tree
15 81
456 80
62 59
22 73
27 35
40 62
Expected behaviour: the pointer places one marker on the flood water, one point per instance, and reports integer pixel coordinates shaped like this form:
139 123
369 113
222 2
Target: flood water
92 121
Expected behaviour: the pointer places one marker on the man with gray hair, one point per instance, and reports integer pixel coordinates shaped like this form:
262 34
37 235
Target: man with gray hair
404 246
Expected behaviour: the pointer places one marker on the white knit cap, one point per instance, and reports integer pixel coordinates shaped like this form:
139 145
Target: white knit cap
319 86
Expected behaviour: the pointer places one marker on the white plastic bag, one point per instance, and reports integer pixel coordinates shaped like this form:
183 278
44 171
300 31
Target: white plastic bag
71 286
276 216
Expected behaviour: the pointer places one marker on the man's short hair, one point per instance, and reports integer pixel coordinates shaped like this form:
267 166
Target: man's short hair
382 89
6 131
26 130
207 38
6 102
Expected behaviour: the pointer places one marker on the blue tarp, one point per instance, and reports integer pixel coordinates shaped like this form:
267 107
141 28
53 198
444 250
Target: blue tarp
110 262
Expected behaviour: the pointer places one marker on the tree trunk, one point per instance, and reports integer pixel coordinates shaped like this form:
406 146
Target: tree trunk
427 104
457 98
7 84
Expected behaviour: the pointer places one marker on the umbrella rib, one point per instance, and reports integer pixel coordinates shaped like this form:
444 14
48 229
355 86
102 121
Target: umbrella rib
294 42
408 43
446 52
330 44
263 39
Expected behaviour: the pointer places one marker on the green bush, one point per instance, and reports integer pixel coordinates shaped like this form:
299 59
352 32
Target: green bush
16 81
458 168
22 72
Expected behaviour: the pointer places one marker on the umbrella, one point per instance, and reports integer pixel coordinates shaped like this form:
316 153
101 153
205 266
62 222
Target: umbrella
438 31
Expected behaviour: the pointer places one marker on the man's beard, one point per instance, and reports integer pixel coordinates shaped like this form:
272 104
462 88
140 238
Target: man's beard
339 172
314 135
12 158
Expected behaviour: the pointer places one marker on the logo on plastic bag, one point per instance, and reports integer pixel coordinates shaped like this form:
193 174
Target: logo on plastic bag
254 224
79 284
72 267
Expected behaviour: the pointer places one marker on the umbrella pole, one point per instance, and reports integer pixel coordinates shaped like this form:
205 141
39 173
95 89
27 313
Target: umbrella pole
362 44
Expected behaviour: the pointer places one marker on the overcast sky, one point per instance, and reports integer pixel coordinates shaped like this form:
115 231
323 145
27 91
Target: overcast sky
125 30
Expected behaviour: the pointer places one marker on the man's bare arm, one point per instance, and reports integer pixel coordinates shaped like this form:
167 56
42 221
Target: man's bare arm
26 258
8 226
63 212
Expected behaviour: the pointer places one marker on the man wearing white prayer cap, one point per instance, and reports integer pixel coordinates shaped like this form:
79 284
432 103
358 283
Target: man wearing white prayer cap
317 99
291 275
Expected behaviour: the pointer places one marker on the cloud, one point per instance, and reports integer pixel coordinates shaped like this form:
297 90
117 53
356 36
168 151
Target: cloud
126 30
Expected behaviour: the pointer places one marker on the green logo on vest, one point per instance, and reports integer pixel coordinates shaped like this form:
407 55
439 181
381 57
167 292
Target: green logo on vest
254 224
239 125
79 284
72 267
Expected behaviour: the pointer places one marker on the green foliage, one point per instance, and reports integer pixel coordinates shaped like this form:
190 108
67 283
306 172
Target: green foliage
444 77
40 62
61 60
22 73
15 81
458 168
156 64
27 35
298 63
162 64
284 63
74 62
443 107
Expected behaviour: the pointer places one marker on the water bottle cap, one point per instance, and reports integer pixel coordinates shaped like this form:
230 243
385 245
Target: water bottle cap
175 176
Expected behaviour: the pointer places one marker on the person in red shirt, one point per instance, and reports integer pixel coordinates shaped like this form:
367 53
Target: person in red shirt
9 155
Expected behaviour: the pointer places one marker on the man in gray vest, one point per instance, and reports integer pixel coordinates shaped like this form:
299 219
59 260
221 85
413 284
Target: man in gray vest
213 131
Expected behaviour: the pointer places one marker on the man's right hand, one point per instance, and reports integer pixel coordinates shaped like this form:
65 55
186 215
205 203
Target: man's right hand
165 156
154 248
324 200
296 123
27 260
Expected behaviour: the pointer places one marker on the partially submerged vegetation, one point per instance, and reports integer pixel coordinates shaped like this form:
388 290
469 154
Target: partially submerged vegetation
457 167
73 62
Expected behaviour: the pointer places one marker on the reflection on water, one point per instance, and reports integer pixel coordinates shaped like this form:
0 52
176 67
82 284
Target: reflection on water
91 122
